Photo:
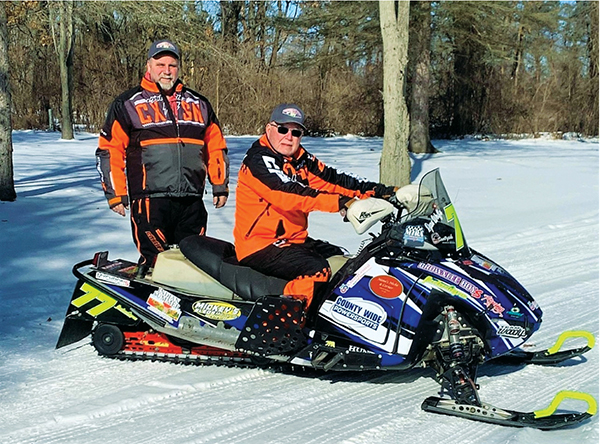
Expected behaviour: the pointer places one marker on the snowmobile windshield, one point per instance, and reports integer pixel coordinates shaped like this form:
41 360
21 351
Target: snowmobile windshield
435 212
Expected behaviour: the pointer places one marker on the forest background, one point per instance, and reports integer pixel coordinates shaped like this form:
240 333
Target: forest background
508 67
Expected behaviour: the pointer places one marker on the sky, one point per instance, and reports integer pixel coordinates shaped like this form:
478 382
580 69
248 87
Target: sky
531 205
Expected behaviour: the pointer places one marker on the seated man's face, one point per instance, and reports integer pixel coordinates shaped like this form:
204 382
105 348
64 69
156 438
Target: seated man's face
286 144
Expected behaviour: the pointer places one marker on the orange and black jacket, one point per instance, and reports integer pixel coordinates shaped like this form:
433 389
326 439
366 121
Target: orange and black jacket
153 146
275 194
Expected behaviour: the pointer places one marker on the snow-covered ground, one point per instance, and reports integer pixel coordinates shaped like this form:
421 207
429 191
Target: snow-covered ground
532 205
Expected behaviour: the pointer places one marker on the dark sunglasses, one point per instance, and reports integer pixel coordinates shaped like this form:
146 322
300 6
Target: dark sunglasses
285 129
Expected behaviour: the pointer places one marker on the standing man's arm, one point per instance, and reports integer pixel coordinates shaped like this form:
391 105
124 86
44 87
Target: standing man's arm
217 161
110 161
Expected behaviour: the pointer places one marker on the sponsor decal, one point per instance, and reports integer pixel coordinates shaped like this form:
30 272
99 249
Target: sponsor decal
434 219
385 286
515 312
512 331
436 238
533 305
344 288
164 304
110 279
463 284
414 236
216 310
355 349
484 264
448 288
358 313
359 275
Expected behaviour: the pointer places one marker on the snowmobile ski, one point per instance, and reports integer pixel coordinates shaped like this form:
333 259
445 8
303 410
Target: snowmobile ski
544 419
553 355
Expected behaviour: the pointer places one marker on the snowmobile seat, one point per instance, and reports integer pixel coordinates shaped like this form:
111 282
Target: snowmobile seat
217 258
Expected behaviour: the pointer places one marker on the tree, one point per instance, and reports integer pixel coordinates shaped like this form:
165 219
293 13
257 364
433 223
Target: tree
7 187
64 48
395 163
419 60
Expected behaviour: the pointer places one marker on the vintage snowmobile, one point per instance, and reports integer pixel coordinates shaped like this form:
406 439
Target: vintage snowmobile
415 295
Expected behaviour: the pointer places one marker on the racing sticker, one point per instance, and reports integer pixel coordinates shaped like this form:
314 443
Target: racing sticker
216 310
385 286
110 279
165 305
358 313
414 236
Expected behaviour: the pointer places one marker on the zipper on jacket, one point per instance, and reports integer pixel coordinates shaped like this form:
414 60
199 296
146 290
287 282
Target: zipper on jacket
257 219
180 143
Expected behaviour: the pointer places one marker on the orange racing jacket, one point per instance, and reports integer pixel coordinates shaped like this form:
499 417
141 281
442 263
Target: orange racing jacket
154 146
275 194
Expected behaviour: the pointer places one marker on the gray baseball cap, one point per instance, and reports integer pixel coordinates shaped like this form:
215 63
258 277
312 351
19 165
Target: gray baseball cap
288 113
163 46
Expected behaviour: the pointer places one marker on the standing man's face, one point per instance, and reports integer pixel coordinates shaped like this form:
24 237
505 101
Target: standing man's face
164 70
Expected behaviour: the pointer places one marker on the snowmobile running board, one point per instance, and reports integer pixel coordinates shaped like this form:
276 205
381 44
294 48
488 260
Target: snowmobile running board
544 419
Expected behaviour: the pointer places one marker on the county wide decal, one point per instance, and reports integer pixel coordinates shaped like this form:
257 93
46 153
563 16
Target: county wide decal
165 305
385 286
216 310
359 314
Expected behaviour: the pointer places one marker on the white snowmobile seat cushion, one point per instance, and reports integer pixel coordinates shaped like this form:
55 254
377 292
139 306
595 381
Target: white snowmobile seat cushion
173 269
364 213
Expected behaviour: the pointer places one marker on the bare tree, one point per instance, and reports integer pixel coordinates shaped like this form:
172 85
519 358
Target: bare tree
7 186
64 48
420 42
395 163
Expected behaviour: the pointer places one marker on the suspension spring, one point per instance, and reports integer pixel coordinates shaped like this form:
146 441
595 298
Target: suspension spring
456 346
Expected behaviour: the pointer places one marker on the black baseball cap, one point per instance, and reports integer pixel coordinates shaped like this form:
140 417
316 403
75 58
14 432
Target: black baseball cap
163 46
288 113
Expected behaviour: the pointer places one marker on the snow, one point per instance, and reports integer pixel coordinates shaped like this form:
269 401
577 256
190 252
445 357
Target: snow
531 205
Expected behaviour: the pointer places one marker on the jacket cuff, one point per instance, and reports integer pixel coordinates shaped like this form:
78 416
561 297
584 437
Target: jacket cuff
118 200
220 190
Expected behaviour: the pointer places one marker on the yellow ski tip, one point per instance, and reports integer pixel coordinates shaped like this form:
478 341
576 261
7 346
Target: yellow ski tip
572 334
566 394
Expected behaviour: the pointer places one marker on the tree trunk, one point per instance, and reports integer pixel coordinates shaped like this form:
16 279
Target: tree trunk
7 186
64 50
394 168
420 41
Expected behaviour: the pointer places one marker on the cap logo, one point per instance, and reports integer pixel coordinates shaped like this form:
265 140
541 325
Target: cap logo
292 112
165 45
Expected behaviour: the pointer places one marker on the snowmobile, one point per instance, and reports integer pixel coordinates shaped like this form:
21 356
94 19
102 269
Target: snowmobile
416 295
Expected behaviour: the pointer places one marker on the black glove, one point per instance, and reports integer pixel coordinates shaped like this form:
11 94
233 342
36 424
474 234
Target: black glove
384 192
345 202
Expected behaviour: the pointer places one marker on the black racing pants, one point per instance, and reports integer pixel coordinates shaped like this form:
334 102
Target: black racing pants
304 265
157 222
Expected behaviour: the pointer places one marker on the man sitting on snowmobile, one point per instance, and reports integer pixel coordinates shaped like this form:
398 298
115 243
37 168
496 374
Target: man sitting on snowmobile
279 184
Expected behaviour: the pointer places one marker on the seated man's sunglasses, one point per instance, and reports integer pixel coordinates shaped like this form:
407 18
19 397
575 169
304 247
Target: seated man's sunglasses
285 129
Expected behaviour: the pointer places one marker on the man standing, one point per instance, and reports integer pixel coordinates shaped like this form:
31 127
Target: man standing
279 184
159 142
